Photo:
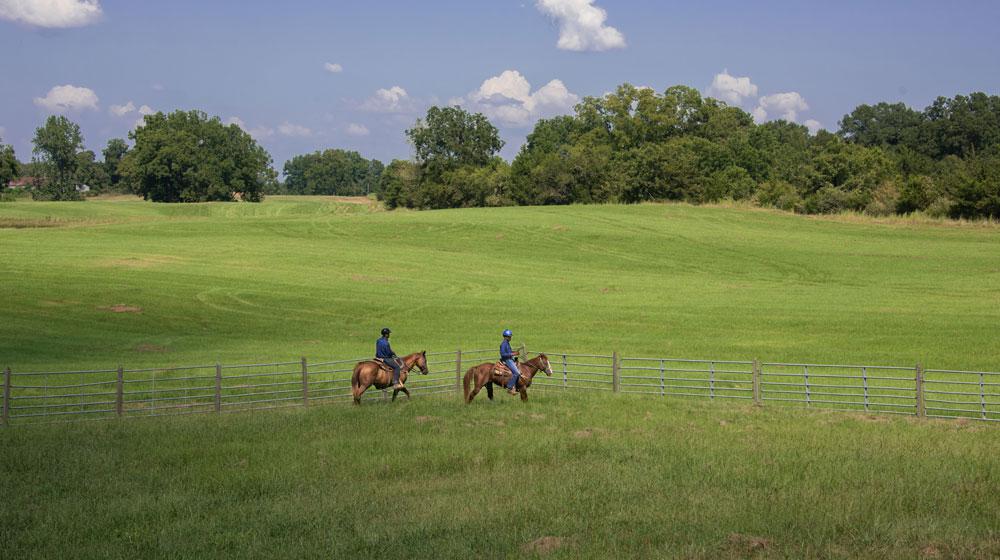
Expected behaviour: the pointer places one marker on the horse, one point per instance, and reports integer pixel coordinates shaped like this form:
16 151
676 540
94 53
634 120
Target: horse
485 374
370 372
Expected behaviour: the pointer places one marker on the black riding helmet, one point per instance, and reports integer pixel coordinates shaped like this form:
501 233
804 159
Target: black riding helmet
386 331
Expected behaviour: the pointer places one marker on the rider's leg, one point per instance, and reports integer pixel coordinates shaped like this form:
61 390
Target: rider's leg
395 372
515 374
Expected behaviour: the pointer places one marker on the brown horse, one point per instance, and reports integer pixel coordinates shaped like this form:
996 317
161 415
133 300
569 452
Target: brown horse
370 373
484 374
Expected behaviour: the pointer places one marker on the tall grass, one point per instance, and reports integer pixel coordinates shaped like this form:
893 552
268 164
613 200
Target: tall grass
589 475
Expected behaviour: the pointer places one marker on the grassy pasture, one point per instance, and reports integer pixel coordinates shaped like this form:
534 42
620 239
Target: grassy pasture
291 277
102 283
590 476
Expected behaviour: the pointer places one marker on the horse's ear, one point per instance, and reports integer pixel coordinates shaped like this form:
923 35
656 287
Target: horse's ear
424 353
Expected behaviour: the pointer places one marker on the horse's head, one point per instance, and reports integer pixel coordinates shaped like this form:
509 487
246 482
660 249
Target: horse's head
544 362
422 362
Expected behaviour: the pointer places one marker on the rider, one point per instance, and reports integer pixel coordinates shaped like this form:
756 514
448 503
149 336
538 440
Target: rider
384 352
508 357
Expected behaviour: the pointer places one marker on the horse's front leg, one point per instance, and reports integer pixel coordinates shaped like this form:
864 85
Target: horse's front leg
489 390
524 393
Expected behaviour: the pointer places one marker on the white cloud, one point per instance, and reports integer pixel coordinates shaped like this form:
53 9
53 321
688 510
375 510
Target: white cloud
61 99
786 105
122 110
508 99
158 87
813 125
581 25
51 13
333 67
257 132
288 129
2 131
392 100
731 89
355 129
143 111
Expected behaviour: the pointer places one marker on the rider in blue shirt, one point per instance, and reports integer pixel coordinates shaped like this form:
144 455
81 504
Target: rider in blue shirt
508 357
384 352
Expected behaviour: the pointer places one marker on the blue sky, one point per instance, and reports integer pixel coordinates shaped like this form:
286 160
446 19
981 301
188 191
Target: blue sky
267 65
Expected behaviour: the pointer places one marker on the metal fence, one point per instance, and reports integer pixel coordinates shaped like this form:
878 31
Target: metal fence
54 396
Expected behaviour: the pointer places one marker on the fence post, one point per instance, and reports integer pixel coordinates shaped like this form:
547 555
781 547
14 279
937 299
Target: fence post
565 381
6 396
120 392
218 387
919 378
615 374
458 370
756 381
305 382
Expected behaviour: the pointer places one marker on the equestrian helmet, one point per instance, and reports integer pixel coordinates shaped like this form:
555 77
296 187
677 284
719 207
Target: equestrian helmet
508 333
386 331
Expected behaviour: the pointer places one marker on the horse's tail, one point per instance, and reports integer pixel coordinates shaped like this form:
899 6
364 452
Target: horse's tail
466 381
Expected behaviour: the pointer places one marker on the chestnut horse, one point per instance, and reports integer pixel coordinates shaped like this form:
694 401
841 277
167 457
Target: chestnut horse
370 373
483 374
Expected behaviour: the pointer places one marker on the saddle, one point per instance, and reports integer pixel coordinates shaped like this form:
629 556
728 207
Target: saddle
384 366
501 369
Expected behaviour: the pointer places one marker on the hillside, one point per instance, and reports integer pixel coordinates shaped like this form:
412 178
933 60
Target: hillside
104 282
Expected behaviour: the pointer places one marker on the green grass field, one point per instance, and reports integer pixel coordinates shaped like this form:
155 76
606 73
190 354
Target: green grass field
599 475
294 277
108 282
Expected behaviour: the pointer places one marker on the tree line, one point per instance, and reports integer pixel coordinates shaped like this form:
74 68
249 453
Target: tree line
632 145
637 145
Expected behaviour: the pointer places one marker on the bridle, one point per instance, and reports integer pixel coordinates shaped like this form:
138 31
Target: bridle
416 363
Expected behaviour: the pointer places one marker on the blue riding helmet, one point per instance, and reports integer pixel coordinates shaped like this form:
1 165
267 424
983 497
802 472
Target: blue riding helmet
508 333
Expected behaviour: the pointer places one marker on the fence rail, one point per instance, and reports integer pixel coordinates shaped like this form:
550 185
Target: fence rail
69 396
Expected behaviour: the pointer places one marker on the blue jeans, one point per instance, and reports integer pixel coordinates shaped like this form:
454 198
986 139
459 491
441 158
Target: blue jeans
512 365
394 364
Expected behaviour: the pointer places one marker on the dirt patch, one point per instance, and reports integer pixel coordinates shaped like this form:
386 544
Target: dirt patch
422 419
122 308
748 544
545 545
559 227
931 551
155 348
588 432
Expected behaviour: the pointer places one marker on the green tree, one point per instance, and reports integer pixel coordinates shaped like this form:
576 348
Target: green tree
58 144
332 172
113 154
399 183
9 167
188 157
91 173
882 125
450 137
